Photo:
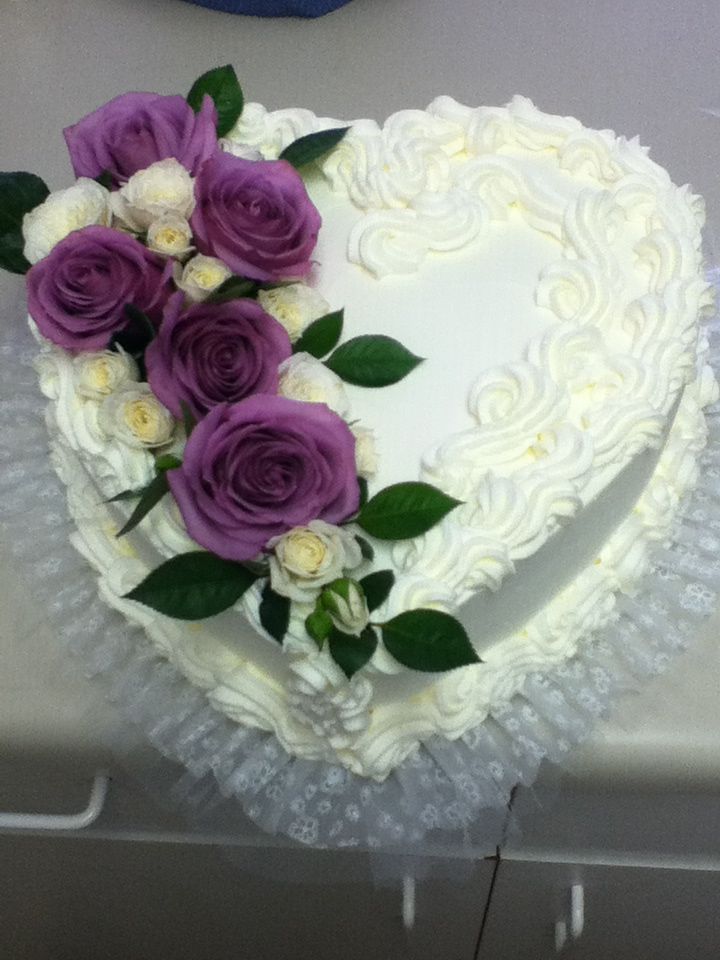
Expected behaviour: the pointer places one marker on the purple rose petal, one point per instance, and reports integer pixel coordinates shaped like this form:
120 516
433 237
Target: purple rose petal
215 353
135 130
256 216
255 469
77 294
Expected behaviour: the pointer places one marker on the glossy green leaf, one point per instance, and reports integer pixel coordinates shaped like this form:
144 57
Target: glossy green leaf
321 336
405 510
363 485
150 497
126 495
428 640
366 549
222 85
312 146
193 586
19 194
372 360
167 461
351 653
234 288
376 587
274 613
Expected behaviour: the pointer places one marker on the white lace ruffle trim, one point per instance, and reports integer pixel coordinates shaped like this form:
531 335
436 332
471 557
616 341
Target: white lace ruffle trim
445 785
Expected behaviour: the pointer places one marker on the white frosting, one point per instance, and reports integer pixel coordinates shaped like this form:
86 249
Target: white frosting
552 278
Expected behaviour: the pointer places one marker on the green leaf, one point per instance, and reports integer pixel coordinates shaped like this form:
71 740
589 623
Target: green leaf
351 653
321 336
150 496
319 624
363 485
274 613
189 421
405 510
372 360
222 85
234 288
19 194
376 587
312 146
193 586
365 548
104 179
126 495
428 640
167 461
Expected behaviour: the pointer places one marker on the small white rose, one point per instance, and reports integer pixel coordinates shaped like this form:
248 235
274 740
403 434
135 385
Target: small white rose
366 458
163 187
302 377
170 235
306 558
84 204
345 601
97 375
202 276
135 416
294 306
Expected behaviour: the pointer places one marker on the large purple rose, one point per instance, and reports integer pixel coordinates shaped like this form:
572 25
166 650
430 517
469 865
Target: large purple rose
256 216
78 293
255 469
136 129
215 353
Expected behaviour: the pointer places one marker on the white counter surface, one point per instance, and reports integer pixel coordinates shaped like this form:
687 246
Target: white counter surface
647 68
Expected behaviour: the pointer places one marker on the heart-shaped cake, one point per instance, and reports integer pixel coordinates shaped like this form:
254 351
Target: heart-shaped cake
519 383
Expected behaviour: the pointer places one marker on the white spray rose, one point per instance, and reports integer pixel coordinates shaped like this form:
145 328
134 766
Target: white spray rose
97 375
84 204
366 458
163 187
294 306
345 601
202 276
302 377
135 416
306 558
170 235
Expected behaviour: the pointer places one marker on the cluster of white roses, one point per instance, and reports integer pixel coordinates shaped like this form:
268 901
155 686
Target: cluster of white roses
157 201
128 411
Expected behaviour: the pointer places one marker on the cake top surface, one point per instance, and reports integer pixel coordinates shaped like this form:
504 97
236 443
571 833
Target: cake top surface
550 278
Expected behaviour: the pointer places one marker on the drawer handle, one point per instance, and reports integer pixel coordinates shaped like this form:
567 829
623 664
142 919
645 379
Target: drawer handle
576 919
408 907
70 821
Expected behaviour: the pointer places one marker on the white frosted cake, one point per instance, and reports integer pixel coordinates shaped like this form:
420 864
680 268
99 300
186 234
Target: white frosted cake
551 277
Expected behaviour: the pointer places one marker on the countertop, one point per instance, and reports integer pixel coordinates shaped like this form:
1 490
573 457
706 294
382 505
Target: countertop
647 68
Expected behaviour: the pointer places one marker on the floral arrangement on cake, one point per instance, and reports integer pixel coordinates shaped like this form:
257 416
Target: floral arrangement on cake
174 273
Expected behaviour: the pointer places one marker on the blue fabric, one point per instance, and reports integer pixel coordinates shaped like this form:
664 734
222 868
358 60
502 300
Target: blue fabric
273 8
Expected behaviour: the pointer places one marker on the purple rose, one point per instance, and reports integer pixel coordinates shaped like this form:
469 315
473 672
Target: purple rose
136 129
255 469
78 293
215 353
256 216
